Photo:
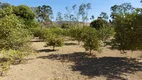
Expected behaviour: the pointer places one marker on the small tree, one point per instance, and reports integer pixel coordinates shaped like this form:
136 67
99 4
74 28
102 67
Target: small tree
76 33
99 23
91 40
53 39
106 32
105 29
54 42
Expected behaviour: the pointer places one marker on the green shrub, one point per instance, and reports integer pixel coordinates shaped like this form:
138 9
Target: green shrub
13 55
65 25
53 37
36 32
106 33
42 34
77 33
57 30
91 40
128 32
99 23
4 66
12 36
54 41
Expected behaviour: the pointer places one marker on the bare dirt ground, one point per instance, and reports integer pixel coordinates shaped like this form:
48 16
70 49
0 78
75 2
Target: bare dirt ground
71 63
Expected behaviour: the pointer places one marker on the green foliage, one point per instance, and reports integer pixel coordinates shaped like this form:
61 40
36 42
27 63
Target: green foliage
36 32
44 13
59 17
99 23
83 11
106 32
105 29
4 5
89 36
6 11
65 25
12 36
45 32
76 32
24 11
10 57
91 40
26 16
76 13
128 31
4 67
15 26
57 30
13 55
55 41
104 15
121 10
35 29
53 37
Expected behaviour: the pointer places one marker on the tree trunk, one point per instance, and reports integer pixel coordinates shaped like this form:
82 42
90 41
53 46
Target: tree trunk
53 48
78 42
90 51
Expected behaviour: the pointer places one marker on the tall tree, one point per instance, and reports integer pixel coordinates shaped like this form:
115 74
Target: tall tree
104 15
44 13
59 17
75 13
92 17
121 10
83 12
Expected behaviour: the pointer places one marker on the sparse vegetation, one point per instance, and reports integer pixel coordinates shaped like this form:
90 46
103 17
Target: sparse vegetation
53 37
21 27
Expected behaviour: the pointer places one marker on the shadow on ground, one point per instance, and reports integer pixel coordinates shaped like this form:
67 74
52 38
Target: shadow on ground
46 50
68 44
110 67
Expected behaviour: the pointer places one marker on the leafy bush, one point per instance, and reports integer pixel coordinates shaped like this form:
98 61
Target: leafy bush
65 25
128 32
77 33
36 32
106 33
99 23
12 36
4 66
10 57
57 30
13 56
54 41
15 24
53 37
91 40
